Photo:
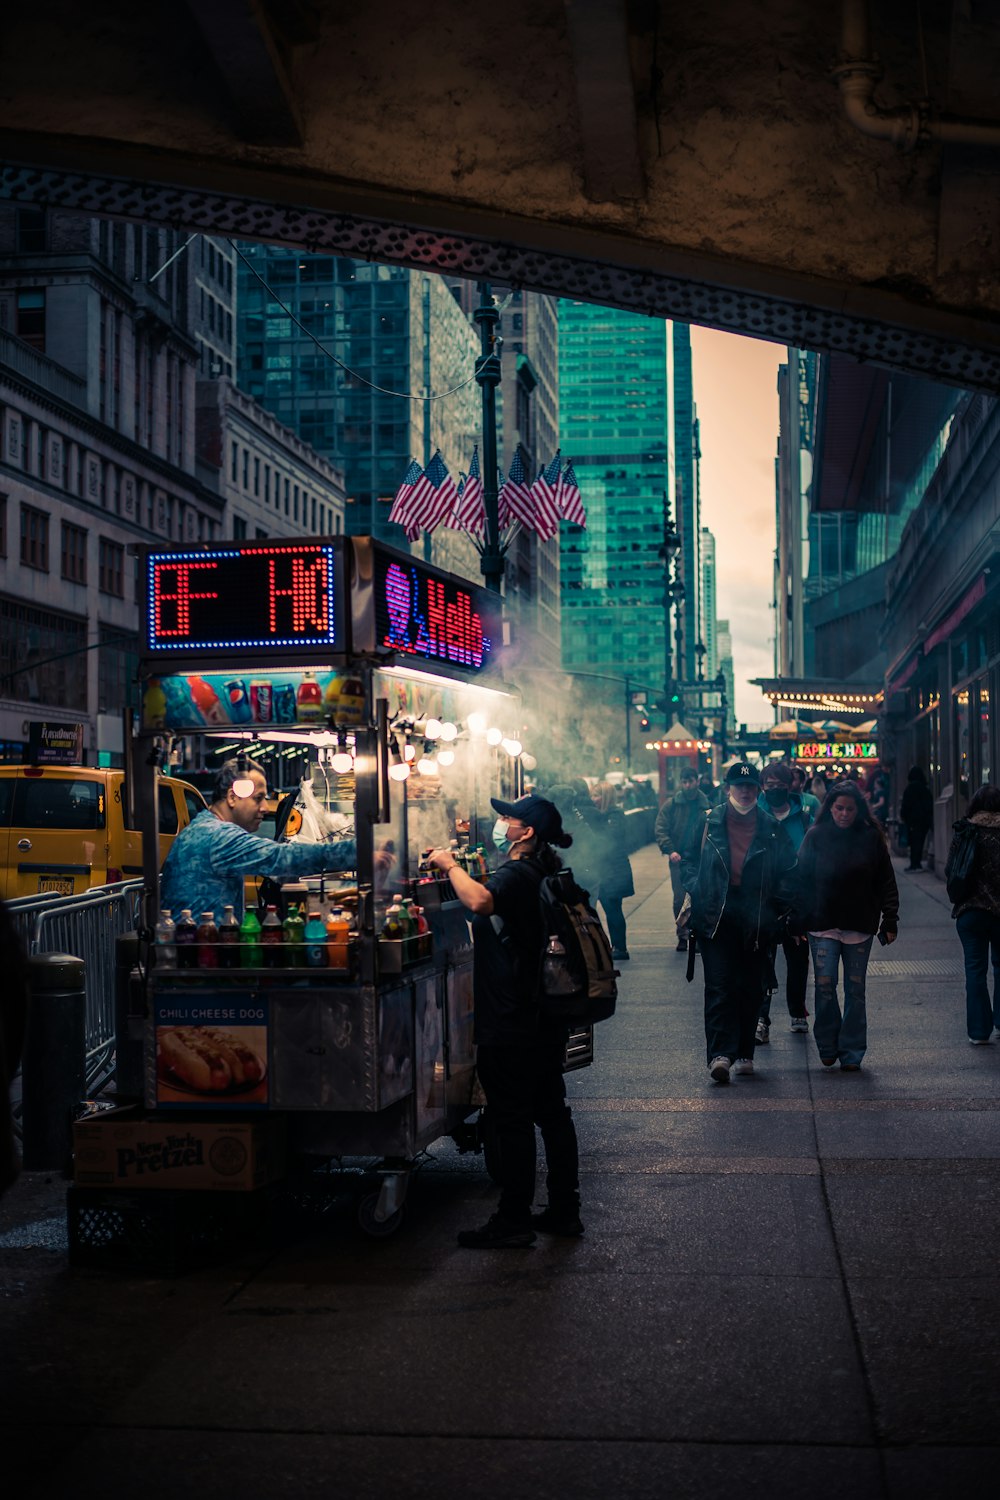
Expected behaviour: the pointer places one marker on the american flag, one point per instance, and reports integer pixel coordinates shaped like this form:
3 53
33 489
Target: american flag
543 493
503 509
517 493
432 498
469 513
400 501
569 499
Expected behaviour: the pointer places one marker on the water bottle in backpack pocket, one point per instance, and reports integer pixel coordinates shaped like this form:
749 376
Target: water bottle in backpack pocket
578 980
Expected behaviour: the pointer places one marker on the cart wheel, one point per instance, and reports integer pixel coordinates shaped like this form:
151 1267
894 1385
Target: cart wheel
491 1146
377 1229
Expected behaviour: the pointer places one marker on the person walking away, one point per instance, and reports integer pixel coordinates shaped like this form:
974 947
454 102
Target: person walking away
977 913
845 893
614 872
741 891
787 807
916 812
520 1053
582 822
681 819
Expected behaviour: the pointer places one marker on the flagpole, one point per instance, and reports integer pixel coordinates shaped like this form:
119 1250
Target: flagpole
488 375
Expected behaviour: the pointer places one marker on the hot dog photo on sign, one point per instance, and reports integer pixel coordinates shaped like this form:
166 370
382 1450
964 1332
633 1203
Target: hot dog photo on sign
216 1064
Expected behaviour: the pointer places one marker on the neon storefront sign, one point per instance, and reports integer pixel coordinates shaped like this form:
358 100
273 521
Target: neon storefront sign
423 613
850 750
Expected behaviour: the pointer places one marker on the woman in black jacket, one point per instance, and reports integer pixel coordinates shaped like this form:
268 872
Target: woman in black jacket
614 880
845 893
916 812
977 911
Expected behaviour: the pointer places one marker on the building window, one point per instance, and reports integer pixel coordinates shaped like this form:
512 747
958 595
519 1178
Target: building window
30 230
34 538
246 469
111 568
256 476
3 525
239 528
31 319
74 553
29 636
117 671
235 461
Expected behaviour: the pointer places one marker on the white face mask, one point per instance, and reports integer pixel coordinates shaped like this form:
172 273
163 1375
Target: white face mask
743 811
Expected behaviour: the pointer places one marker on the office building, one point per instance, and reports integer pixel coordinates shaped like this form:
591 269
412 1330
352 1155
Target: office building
709 597
687 504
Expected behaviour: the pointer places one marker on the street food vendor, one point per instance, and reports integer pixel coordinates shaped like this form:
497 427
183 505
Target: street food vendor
209 859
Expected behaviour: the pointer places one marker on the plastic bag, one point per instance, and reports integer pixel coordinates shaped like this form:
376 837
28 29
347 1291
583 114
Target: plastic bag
319 824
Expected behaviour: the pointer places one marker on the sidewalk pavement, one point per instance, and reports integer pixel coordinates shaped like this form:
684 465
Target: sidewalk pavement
786 1287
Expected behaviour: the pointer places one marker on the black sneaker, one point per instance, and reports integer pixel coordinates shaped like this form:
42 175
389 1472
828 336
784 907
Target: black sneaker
498 1234
682 945
561 1221
620 953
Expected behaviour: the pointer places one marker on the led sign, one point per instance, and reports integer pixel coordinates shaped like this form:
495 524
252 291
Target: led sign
262 596
851 750
421 612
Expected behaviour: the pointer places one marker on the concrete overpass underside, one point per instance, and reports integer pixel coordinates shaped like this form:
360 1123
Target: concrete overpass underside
820 175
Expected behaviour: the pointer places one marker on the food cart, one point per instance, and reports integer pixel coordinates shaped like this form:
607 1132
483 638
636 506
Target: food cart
389 669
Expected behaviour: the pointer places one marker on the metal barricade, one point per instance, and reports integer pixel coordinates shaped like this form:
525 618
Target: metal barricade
86 926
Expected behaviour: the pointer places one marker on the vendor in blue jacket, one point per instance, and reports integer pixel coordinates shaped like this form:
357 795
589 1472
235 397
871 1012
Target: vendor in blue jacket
796 817
209 859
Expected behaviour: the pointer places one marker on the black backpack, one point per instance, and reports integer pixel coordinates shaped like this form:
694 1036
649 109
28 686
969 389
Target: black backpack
959 872
578 986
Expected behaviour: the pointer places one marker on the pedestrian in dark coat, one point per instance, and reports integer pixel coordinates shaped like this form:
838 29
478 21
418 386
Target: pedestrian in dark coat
789 809
917 814
741 893
614 871
680 820
582 822
977 914
845 893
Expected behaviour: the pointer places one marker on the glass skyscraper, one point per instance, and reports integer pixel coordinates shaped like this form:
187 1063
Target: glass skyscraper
400 330
616 423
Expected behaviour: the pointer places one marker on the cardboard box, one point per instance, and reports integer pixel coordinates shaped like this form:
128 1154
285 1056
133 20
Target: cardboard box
120 1150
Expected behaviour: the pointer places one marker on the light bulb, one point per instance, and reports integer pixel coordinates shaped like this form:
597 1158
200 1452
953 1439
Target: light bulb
446 757
529 762
477 723
449 731
408 752
343 762
432 729
512 747
400 771
426 766
494 736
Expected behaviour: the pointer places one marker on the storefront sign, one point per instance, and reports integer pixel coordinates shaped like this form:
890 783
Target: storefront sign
851 750
265 596
421 612
55 744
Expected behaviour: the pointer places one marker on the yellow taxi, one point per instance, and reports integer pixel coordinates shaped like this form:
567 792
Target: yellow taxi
62 828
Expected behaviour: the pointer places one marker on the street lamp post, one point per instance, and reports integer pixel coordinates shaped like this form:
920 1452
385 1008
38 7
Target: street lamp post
488 376
673 590
720 683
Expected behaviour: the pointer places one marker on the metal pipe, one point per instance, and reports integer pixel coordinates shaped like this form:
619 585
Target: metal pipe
488 376
859 71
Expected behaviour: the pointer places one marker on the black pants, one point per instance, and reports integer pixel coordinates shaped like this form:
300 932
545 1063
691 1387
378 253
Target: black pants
916 834
616 922
734 988
797 966
524 1087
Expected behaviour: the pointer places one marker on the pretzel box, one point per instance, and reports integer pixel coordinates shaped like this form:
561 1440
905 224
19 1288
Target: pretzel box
126 1151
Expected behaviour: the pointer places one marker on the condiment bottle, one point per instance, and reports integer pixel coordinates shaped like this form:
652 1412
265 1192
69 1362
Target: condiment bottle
309 700
184 936
250 954
337 929
294 929
272 939
229 939
166 941
207 941
315 940
393 922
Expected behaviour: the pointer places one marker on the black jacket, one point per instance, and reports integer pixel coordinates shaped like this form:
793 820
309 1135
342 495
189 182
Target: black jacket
678 820
845 879
767 880
614 872
917 806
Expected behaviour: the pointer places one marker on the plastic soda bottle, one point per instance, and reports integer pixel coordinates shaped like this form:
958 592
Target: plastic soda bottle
556 976
229 939
166 941
393 922
336 937
272 939
309 700
294 929
207 941
315 939
250 956
185 933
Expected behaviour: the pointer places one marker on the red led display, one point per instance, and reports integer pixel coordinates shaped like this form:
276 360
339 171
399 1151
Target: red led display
431 615
267 595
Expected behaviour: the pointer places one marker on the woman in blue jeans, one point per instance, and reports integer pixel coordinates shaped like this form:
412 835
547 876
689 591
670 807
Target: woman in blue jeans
978 917
845 894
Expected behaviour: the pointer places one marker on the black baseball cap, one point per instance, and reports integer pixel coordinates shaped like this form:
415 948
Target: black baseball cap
742 773
537 813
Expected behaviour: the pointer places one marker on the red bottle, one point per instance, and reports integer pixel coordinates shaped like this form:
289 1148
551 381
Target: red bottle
207 941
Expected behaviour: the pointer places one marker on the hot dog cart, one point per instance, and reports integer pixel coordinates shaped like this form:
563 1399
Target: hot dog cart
389 669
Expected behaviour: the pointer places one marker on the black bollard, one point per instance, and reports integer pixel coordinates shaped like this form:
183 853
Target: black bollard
128 1018
54 1070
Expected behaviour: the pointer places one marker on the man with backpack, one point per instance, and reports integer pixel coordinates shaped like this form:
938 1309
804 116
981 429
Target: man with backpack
520 1048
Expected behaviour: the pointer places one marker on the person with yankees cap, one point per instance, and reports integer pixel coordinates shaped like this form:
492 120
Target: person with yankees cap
741 885
520 1053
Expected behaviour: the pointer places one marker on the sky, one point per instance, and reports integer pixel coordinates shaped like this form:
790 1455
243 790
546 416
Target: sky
735 389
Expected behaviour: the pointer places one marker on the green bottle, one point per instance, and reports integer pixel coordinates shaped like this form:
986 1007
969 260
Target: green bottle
250 957
295 931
